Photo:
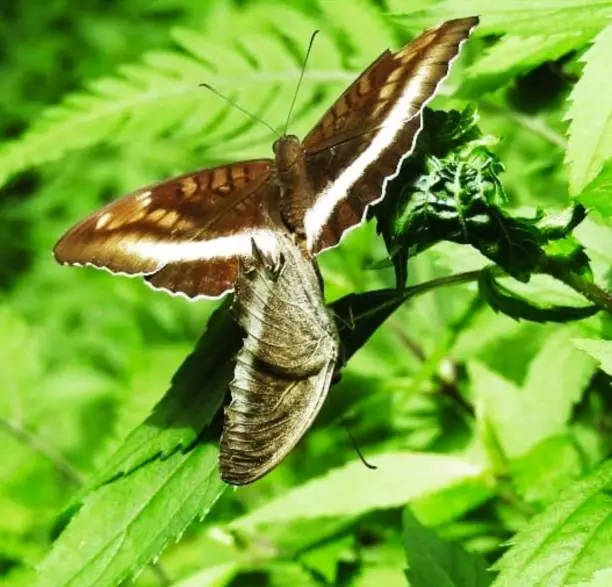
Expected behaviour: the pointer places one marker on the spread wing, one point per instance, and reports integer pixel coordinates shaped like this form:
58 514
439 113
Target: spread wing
284 370
360 142
186 235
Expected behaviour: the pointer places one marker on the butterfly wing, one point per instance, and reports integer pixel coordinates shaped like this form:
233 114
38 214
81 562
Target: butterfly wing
361 140
185 235
284 370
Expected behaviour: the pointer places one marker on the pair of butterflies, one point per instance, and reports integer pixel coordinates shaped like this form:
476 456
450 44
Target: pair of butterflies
257 225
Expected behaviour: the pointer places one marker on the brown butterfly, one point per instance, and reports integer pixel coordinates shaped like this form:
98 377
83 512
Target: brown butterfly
187 235
285 367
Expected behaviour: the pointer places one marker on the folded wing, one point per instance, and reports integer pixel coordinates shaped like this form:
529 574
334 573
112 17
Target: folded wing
285 368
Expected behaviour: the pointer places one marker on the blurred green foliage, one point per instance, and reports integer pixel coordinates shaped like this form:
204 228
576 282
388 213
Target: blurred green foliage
489 428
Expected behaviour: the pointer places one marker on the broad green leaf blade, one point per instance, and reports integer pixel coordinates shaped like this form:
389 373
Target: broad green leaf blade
597 195
216 576
353 489
519 17
547 469
590 131
195 397
433 562
125 524
566 543
601 578
522 418
600 350
504 300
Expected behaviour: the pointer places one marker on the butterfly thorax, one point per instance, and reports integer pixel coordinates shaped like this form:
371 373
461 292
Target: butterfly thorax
296 192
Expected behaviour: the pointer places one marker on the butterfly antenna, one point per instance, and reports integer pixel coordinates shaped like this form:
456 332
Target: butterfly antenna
297 89
357 449
238 107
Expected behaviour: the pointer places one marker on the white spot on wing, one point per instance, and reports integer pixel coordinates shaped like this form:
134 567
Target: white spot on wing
144 199
103 220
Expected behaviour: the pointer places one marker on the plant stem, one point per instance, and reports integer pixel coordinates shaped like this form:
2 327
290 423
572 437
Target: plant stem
28 438
592 292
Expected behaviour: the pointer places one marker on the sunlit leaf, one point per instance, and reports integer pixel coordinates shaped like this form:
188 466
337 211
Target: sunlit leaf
597 195
399 478
125 524
590 132
566 543
600 350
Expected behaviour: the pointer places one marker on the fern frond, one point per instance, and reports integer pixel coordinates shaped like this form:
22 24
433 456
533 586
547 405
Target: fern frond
160 96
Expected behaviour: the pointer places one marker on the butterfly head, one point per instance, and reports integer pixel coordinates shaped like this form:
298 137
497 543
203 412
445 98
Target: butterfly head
288 151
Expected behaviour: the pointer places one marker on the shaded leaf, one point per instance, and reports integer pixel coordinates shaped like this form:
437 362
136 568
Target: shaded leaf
514 55
451 190
504 300
189 406
433 562
547 469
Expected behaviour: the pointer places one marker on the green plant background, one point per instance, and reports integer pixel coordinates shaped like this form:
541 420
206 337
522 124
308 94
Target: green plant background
477 421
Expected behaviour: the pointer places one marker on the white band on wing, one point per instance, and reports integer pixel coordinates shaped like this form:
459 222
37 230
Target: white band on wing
222 247
337 189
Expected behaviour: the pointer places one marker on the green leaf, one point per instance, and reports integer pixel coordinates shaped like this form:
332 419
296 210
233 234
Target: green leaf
504 300
600 350
161 95
359 315
433 562
125 524
514 55
566 543
400 477
523 417
451 190
20 357
216 576
519 17
597 195
590 131
348 17
195 397
547 469
601 578
155 490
